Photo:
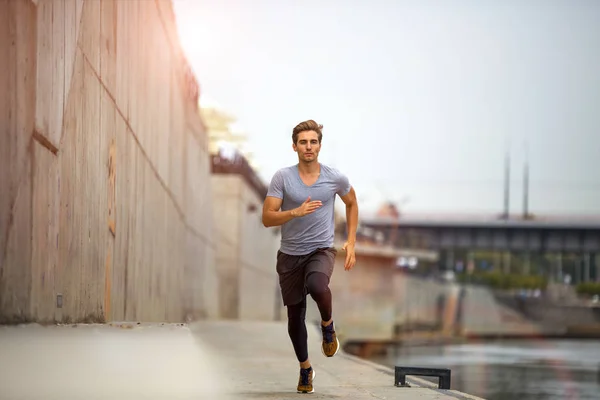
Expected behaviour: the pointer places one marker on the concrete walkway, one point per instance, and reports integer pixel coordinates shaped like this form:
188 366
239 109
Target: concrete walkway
204 360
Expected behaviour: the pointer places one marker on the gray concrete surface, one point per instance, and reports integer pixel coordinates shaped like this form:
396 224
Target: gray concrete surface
103 362
203 360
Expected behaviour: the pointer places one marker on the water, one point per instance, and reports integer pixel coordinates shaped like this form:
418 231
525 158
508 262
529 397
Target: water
503 370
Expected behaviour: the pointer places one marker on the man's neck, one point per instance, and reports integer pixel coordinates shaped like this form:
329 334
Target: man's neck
311 168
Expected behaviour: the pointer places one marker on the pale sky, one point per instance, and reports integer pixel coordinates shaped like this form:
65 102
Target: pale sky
417 98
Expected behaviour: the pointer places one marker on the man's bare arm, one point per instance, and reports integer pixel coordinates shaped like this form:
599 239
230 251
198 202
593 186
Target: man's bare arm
351 214
272 216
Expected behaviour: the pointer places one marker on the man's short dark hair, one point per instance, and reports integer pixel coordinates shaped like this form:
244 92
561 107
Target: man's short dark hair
309 125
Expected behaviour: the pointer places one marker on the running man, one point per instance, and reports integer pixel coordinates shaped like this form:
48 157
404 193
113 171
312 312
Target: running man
301 199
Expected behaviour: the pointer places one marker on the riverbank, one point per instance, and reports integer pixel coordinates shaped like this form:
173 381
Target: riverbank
372 348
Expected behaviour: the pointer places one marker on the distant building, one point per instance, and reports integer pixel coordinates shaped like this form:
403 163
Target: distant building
244 249
553 246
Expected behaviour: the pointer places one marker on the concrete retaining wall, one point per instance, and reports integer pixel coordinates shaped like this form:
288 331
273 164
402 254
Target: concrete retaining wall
555 317
104 170
363 299
245 252
424 303
377 302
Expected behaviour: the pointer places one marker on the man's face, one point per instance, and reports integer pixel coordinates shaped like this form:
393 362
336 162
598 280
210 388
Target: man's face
307 146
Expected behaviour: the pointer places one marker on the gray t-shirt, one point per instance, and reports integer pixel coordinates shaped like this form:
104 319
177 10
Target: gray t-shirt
302 235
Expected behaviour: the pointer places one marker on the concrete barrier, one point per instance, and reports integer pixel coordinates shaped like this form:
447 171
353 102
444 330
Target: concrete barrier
105 210
245 251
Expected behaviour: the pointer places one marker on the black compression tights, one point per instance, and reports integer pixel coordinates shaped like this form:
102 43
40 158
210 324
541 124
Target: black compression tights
317 285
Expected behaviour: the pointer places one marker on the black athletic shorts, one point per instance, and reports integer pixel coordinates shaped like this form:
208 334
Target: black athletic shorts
293 271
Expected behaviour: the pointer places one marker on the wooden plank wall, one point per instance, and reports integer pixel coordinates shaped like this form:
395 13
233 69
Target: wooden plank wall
106 175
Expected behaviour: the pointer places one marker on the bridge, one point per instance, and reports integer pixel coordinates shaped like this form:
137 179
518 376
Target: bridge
533 241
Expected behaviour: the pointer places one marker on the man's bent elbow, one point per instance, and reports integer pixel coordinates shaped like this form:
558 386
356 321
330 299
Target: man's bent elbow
265 221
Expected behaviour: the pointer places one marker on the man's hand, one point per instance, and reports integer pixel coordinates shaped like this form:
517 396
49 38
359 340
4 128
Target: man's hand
350 256
308 207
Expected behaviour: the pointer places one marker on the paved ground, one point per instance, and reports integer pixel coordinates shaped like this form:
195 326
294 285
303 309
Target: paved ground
205 360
